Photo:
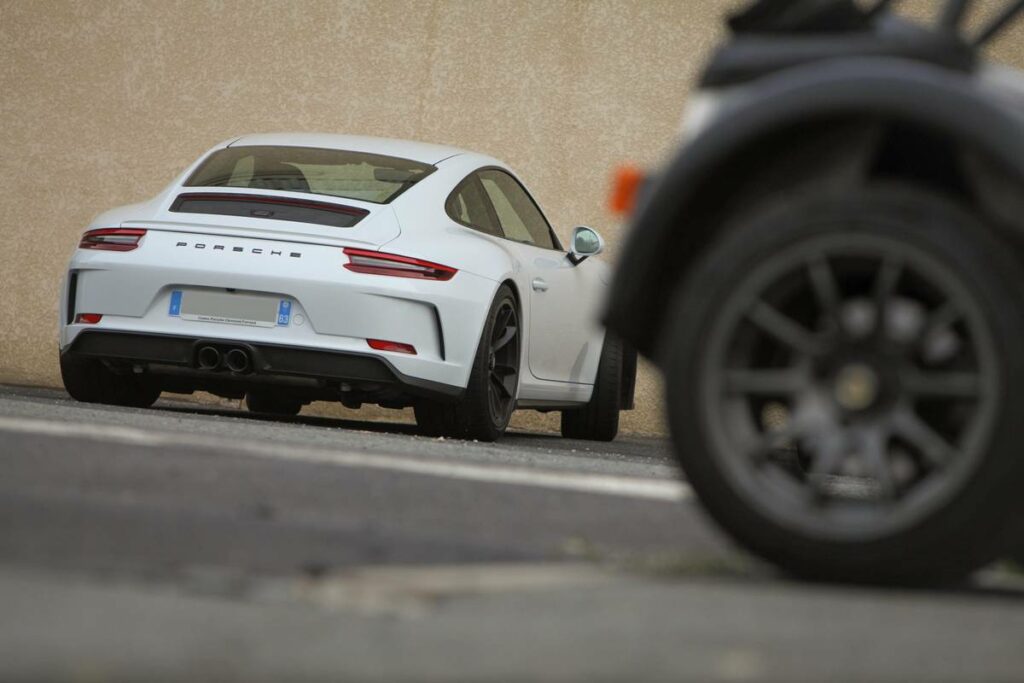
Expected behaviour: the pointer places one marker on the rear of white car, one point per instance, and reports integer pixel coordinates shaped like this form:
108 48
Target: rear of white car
225 285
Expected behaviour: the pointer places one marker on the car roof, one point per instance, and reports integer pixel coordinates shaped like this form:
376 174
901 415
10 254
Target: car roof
424 152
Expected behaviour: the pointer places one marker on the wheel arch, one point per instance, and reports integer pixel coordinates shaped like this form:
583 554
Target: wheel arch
515 291
524 351
508 280
831 125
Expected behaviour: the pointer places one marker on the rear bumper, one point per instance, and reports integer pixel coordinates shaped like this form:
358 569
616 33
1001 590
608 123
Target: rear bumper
173 361
332 308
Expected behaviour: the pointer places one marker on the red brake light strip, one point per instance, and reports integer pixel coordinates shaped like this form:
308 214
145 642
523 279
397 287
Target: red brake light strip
112 239
377 263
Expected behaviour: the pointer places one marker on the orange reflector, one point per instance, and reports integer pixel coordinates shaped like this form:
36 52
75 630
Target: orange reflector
626 184
397 347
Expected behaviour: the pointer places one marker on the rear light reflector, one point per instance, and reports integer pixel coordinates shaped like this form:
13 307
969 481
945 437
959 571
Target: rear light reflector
377 263
88 318
112 239
397 347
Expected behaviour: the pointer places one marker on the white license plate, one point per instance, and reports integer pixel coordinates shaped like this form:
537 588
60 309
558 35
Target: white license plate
231 309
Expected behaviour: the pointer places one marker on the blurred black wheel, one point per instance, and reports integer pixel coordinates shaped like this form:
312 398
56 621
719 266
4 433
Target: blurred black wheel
1016 555
879 329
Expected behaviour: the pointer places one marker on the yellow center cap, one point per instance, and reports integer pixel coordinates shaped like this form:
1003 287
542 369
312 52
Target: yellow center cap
856 387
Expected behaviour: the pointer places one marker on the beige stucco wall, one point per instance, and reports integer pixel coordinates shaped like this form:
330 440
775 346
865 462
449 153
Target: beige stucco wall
102 103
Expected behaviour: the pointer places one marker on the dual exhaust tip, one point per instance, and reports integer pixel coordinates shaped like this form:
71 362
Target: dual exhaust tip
235 360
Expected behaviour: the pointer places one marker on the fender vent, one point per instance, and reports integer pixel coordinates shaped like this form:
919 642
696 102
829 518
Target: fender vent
72 295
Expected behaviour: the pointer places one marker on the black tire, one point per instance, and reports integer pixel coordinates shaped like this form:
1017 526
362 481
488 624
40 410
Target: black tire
599 419
269 404
484 411
90 381
969 525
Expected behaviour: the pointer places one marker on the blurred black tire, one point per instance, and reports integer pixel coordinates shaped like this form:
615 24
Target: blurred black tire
973 528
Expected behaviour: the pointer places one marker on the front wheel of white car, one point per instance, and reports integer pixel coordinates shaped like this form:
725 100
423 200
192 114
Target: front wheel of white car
599 419
485 409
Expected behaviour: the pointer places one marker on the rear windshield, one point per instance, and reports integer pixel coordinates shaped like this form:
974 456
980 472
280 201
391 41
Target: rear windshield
332 172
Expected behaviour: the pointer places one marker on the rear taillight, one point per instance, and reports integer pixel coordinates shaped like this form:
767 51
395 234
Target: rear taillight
112 239
376 263
397 347
88 318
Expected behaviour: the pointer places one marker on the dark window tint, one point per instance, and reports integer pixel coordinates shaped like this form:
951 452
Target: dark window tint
468 206
520 218
332 172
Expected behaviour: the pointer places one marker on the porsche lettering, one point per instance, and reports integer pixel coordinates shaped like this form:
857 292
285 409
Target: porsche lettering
255 250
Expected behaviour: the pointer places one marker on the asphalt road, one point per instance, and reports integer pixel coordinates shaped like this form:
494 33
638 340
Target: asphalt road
193 543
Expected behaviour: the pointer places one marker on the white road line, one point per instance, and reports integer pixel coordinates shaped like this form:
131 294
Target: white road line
632 487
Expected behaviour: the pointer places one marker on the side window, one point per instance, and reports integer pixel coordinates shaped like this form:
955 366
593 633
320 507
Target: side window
467 205
520 218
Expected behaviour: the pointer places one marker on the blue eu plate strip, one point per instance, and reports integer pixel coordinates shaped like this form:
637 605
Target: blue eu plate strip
175 303
284 313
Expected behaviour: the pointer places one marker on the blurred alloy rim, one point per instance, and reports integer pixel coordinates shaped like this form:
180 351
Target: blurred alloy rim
849 386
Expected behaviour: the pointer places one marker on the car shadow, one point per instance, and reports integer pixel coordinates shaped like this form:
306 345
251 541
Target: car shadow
308 420
651 449
377 426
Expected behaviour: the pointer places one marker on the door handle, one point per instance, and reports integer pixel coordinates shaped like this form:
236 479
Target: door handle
539 285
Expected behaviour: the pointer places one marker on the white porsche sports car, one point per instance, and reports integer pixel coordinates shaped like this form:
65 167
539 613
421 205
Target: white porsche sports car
288 268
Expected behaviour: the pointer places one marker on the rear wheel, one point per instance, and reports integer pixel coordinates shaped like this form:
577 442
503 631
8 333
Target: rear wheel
269 404
486 407
599 419
91 381
873 338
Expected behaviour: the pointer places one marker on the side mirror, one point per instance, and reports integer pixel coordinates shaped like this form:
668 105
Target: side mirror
585 242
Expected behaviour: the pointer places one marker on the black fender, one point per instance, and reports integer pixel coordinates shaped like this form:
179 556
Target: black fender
675 217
